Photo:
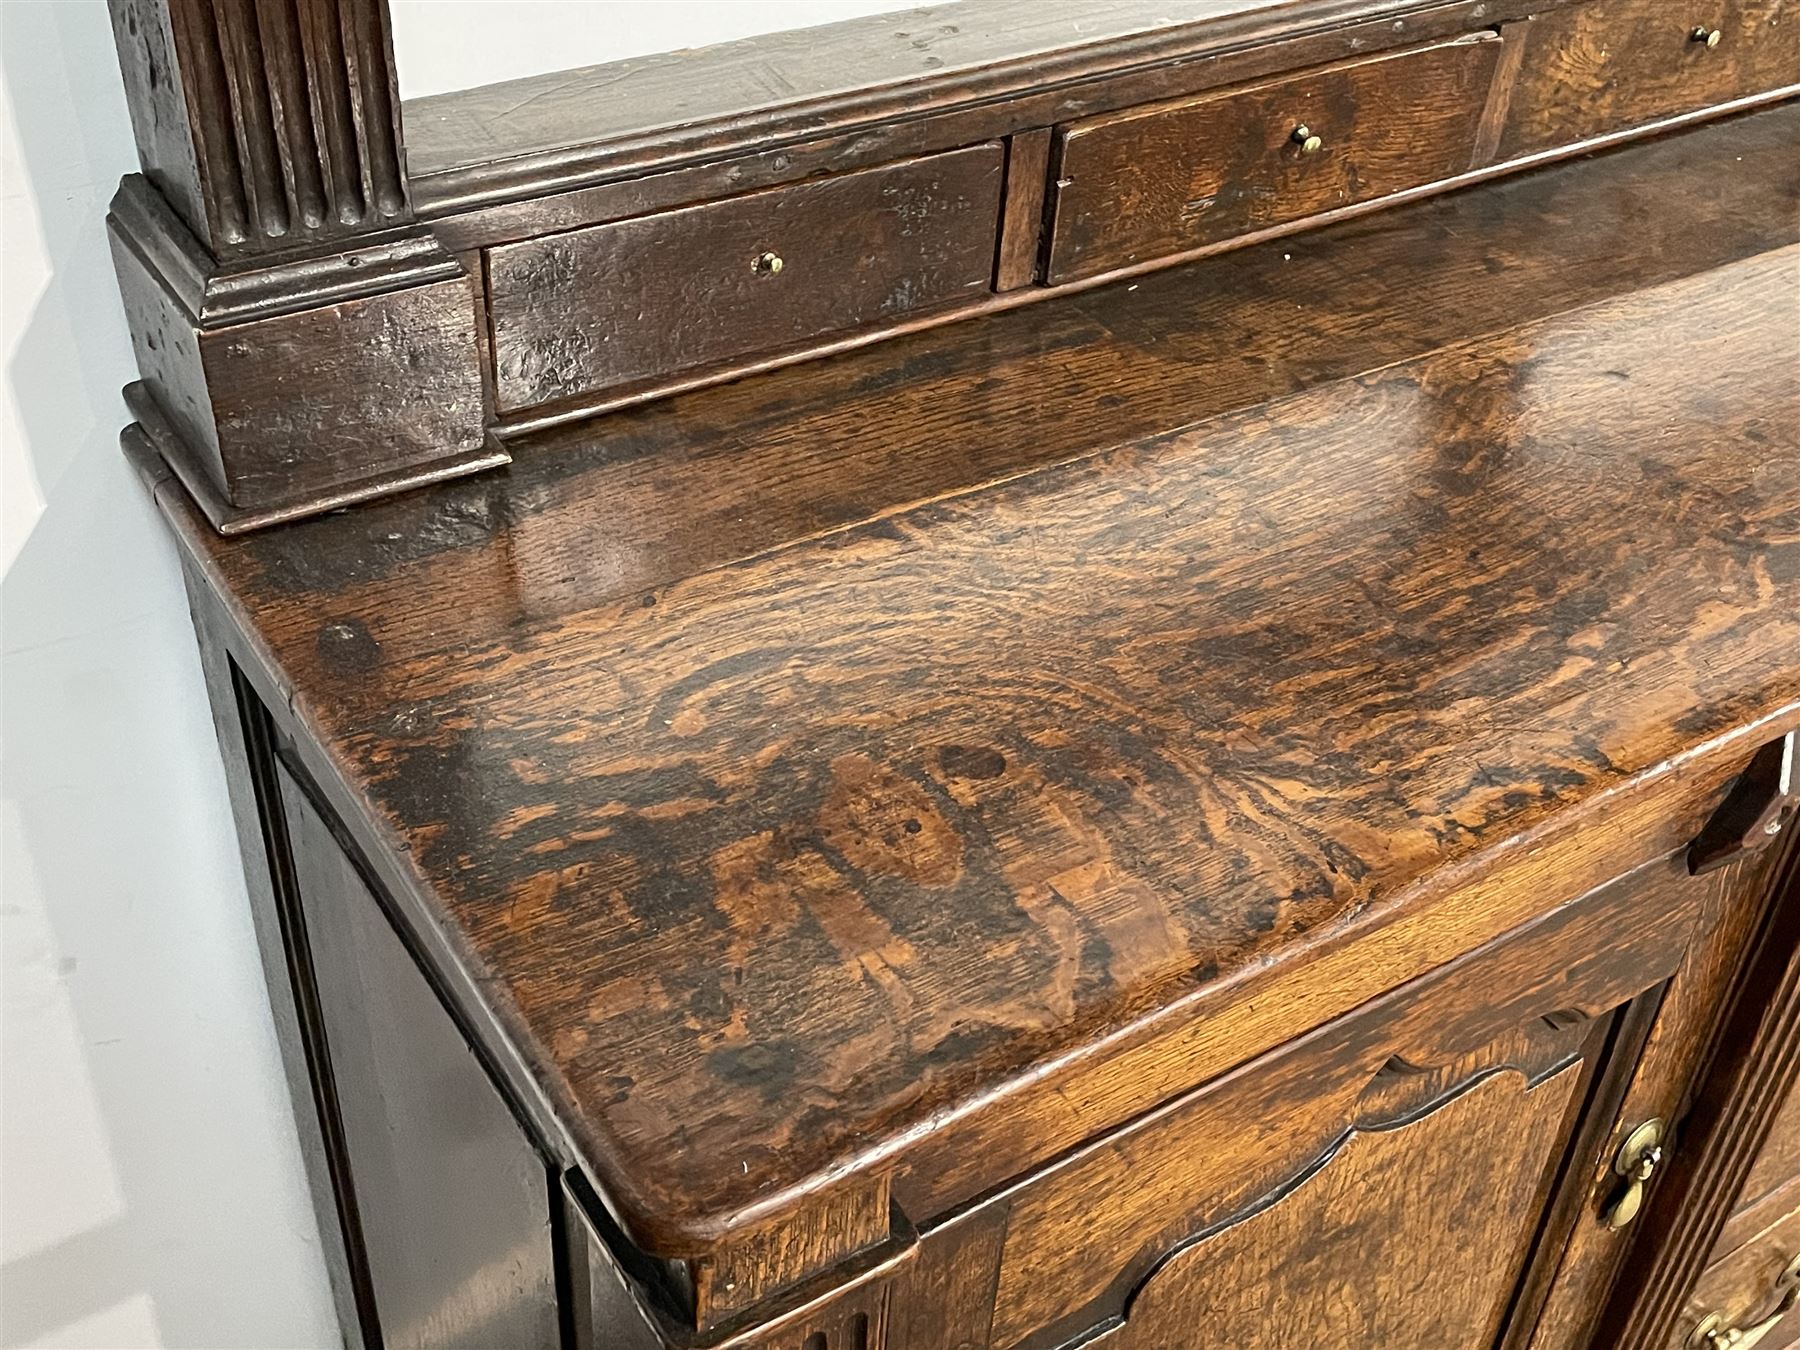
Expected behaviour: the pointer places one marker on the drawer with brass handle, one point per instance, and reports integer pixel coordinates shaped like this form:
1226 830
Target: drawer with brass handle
603 307
1717 1332
1747 1297
1166 179
1594 69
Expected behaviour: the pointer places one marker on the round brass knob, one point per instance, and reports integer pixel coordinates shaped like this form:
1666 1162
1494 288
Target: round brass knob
1309 143
767 264
1708 37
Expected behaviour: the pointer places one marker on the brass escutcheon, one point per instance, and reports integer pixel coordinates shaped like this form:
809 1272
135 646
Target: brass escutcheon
1636 1163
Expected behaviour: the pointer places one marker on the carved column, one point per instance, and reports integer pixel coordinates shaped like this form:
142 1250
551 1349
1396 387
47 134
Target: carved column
303 341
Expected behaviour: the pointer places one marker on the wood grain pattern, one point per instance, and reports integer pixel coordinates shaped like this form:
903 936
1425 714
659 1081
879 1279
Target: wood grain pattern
945 1294
1777 1166
838 1225
303 341
588 125
1614 64
1022 216
611 512
492 198
1173 177
855 837
605 306
1358 1249
273 129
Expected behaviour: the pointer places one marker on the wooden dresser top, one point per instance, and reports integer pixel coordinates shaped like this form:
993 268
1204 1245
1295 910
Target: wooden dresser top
804 764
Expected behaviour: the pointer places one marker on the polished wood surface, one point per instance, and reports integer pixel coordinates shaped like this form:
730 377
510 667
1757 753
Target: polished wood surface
1726 908
1752 1069
593 123
613 511
771 852
1357 1249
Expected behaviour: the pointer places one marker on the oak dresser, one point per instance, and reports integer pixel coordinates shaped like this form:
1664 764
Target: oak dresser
1024 675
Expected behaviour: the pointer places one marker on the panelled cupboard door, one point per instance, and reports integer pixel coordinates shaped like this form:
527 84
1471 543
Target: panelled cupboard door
1402 1177
1408 1235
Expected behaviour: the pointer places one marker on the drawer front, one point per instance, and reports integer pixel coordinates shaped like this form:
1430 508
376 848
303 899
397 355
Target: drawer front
614 304
1152 182
1616 64
1777 1167
1743 1291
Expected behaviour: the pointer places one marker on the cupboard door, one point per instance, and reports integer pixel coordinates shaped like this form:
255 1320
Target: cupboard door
1398 1177
1732 1119
446 1202
1407 1236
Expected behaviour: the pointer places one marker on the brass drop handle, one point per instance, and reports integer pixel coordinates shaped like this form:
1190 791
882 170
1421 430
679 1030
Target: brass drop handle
1714 1334
1708 37
767 264
1635 1164
1310 143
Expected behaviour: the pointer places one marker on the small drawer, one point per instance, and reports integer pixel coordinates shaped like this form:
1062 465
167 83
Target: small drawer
1744 1290
707 285
1594 69
1162 180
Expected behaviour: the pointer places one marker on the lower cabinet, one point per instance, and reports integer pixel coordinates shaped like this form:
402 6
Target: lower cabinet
1469 1160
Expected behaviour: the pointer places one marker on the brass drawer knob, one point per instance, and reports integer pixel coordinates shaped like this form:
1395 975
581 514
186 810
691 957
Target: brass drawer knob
1635 1164
767 264
1309 143
1714 1333
1708 37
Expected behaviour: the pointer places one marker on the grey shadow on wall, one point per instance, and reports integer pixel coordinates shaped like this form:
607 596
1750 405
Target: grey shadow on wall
117 824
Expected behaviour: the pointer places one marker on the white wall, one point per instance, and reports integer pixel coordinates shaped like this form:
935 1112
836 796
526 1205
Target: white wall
452 44
150 1184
